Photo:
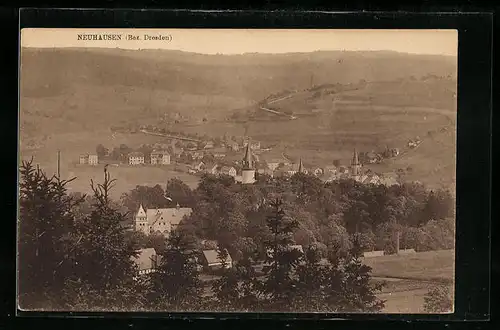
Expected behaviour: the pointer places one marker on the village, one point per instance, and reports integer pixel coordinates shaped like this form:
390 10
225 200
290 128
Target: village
222 157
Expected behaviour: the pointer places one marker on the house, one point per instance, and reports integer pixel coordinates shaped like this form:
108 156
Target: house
93 159
84 159
318 171
332 169
414 143
372 157
160 158
212 169
254 145
197 166
197 155
389 179
146 261
289 170
209 145
219 153
343 170
273 164
212 261
266 171
177 152
233 146
136 158
161 221
393 152
228 170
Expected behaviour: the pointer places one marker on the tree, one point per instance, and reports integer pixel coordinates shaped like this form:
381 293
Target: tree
175 285
101 151
312 277
439 299
101 259
180 193
225 288
439 205
280 260
149 197
45 219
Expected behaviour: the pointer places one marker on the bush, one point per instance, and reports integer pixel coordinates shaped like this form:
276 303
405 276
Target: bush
439 300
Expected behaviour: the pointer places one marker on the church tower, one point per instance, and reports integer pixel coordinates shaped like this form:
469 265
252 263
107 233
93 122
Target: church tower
248 171
356 166
141 221
301 167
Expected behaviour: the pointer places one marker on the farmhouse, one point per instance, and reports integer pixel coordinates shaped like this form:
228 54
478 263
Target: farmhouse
162 221
146 261
211 260
228 170
136 158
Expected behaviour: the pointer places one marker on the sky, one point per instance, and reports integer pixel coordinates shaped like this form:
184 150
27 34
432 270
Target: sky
239 41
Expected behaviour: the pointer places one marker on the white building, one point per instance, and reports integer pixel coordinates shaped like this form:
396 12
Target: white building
160 158
93 160
136 158
162 221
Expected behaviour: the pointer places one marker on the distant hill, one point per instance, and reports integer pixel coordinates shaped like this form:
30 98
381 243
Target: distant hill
343 100
90 88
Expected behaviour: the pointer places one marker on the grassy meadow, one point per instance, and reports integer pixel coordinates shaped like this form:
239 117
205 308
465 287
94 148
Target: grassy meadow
408 278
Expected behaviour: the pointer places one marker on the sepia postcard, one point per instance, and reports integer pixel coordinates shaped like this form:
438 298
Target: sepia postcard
237 170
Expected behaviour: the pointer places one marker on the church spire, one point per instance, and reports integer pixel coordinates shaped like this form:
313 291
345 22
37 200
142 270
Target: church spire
300 165
247 160
355 163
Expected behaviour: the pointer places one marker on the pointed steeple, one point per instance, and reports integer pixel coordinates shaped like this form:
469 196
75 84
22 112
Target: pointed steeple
247 160
300 165
141 213
355 160
355 163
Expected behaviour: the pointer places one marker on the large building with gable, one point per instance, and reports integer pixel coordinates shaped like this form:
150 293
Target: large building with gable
161 221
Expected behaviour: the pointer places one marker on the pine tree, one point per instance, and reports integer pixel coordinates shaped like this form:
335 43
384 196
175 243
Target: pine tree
226 288
280 262
103 269
176 285
45 220
312 277
349 285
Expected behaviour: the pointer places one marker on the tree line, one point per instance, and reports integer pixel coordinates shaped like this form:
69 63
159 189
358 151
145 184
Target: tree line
331 215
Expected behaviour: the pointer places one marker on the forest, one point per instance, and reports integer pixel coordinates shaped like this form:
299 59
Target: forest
75 250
